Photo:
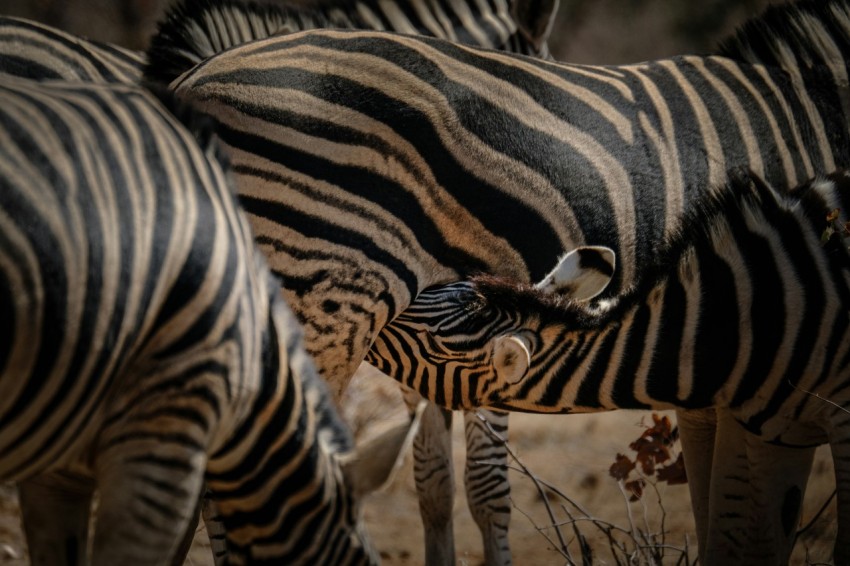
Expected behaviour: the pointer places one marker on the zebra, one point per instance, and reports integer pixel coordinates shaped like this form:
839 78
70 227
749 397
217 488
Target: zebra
37 51
747 306
195 30
146 348
374 165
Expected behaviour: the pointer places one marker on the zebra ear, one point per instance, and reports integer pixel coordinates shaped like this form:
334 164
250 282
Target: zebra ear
511 358
372 464
535 19
581 274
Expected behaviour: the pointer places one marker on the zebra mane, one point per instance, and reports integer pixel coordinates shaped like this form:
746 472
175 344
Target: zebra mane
744 194
504 294
809 34
194 30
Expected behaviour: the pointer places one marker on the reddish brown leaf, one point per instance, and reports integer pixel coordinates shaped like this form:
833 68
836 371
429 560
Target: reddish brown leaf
635 487
674 473
621 467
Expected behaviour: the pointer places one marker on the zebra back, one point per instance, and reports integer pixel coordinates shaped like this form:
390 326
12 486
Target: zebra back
606 155
33 50
194 30
145 343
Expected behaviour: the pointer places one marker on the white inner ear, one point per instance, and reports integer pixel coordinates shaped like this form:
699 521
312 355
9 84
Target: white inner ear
511 358
581 274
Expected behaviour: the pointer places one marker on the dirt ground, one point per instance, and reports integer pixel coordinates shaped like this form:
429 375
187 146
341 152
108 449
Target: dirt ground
572 453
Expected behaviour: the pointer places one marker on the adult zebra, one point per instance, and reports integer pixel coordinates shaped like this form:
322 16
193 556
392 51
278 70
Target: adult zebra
747 306
374 165
145 346
195 30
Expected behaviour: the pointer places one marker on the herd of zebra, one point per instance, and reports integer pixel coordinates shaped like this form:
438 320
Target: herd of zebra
147 352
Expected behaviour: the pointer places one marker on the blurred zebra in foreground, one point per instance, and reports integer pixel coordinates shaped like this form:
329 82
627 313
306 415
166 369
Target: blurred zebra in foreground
195 30
145 348
375 165
747 307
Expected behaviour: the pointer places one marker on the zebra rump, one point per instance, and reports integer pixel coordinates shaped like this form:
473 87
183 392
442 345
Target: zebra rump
144 346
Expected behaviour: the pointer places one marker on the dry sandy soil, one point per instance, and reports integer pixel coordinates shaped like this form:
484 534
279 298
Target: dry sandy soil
572 453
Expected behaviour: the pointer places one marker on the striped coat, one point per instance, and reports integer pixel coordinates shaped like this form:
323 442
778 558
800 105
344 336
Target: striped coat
146 347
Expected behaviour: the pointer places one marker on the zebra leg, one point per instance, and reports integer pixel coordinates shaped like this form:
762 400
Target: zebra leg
205 509
488 491
56 509
697 428
839 444
726 526
434 477
188 536
146 503
149 469
215 531
778 477
755 497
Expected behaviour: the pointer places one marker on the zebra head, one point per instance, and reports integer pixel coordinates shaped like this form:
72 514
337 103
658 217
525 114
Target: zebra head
462 344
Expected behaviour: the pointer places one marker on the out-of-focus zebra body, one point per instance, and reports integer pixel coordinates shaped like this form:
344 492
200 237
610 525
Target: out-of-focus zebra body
374 165
33 50
145 346
198 29
747 307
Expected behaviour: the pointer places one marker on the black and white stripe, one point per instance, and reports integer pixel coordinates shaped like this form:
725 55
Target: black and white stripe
747 307
145 346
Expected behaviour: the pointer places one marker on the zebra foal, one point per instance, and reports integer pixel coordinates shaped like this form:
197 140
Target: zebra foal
747 307
144 347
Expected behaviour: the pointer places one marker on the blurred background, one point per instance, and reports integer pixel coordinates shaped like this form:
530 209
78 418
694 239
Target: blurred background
586 31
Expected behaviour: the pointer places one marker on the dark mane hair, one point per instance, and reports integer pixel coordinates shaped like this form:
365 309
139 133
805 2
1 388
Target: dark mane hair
501 293
793 30
172 50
